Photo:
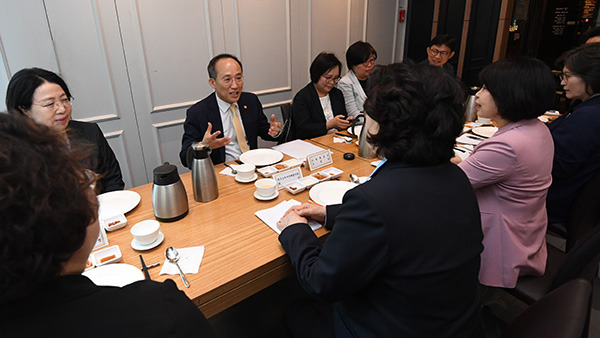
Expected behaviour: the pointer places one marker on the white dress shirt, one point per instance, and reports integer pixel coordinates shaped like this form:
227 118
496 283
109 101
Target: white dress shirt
232 150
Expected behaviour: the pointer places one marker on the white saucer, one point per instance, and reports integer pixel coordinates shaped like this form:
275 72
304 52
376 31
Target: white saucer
251 179
142 247
267 198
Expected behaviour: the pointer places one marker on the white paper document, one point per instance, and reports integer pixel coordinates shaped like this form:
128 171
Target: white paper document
298 149
272 215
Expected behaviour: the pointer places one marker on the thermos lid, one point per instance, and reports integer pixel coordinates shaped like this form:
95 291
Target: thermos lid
165 174
200 150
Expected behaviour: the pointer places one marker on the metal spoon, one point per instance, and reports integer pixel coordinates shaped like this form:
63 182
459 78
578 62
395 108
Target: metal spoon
354 179
233 171
173 257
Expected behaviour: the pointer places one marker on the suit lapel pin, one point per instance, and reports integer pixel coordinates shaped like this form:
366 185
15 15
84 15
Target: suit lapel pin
245 107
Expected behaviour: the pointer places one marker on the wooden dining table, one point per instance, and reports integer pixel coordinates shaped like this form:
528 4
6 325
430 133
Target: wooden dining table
242 254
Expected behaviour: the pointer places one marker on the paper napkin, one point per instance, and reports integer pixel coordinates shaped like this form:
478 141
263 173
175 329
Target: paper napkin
189 261
272 215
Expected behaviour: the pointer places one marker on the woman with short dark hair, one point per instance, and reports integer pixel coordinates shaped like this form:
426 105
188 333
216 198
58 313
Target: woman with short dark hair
575 133
319 108
49 226
402 257
45 98
510 171
360 58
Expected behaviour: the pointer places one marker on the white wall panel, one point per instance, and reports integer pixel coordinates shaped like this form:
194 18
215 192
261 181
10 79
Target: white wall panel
265 45
82 58
175 41
329 27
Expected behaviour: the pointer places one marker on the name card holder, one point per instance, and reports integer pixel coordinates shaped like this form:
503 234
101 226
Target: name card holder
319 160
286 177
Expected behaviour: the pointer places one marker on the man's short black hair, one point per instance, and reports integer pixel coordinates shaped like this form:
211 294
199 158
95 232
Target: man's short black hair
444 39
212 73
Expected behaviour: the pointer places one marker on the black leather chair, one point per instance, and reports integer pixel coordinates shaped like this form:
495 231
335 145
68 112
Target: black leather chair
286 129
580 262
584 213
563 313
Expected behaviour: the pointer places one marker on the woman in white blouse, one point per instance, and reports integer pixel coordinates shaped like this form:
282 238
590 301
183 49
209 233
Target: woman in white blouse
360 58
319 108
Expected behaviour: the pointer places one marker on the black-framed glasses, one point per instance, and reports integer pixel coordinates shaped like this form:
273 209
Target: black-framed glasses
435 52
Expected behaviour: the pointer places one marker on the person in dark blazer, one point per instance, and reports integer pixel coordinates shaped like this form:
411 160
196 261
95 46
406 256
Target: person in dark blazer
575 133
319 108
44 97
49 226
213 120
402 258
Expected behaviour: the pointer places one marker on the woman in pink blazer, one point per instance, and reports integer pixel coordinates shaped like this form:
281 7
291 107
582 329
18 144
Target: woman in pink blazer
511 171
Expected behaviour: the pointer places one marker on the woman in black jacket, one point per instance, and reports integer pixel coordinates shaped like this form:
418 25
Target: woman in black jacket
319 108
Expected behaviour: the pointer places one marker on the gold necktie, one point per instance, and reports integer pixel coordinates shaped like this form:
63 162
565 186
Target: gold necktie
239 131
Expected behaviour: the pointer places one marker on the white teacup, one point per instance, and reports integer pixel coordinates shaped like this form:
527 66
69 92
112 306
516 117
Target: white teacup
245 171
266 187
145 232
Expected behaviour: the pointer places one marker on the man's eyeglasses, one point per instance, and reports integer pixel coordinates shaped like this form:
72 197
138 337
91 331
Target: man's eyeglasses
331 79
53 106
229 80
435 52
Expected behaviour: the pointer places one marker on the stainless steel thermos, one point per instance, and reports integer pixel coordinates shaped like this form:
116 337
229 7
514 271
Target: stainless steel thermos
169 198
204 177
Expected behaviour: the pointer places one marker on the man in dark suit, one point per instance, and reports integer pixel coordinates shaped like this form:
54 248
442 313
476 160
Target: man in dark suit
216 119
440 51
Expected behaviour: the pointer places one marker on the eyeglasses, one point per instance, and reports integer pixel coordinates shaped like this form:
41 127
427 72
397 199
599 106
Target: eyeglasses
369 62
331 79
53 106
435 52
229 80
565 77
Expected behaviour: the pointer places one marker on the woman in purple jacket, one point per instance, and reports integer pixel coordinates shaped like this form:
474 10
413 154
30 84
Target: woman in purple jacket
511 171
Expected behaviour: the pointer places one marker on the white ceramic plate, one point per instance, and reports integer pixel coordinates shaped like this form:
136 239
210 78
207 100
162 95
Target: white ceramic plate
484 131
261 157
114 275
117 202
330 192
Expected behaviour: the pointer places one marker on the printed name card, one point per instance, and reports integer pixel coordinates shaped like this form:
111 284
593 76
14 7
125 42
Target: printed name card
319 160
286 177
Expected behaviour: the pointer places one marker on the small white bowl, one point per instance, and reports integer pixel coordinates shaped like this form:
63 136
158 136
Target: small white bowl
308 181
292 163
333 172
112 254
267 171
295 187
281 167
321 176
145 232
114 223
